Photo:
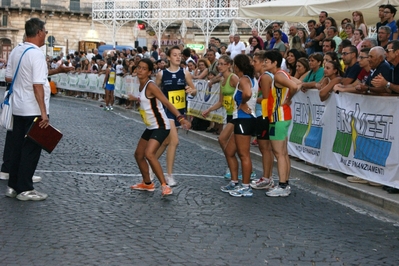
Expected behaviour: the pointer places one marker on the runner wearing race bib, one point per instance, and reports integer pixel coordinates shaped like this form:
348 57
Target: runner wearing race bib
153 114
283 89
175 83
262 123
109 86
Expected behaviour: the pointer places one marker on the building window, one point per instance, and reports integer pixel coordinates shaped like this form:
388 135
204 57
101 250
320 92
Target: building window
36 4
74 5
4 21
5 2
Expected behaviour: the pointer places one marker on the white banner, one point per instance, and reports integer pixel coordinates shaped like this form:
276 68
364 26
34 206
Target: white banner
350 133
205 98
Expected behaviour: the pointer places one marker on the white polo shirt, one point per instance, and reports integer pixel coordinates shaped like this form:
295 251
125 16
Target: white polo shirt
32 70
236 49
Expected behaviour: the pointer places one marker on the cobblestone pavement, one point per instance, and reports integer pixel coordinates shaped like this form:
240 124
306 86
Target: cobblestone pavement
93 218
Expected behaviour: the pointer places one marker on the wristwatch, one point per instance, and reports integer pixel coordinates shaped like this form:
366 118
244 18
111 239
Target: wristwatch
388 85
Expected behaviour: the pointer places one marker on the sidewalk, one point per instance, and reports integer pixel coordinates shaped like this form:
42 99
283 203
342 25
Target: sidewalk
321 177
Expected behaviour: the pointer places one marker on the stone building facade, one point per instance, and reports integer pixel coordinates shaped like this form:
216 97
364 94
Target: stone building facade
70 27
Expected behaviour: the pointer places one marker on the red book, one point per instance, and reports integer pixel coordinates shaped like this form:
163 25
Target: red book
47 137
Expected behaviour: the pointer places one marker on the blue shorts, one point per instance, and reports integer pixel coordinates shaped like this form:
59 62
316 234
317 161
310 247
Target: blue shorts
110 87
173 117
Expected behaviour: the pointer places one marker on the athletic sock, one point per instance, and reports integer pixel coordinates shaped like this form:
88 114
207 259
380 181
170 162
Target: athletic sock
282 185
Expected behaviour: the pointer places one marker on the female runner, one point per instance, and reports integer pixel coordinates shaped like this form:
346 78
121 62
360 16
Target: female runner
158 128
175 83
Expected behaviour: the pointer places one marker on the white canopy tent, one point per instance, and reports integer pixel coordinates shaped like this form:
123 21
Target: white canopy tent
304 10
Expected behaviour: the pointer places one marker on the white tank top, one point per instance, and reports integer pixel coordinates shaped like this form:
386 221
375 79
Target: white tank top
152 112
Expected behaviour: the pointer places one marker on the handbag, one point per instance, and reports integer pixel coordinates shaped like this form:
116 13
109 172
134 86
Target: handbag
6 118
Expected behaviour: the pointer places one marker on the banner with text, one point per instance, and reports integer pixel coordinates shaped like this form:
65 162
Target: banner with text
205 98
350 133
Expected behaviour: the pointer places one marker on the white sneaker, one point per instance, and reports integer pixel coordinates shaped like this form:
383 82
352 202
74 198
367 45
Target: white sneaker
279 192
32 195
170 180
6 176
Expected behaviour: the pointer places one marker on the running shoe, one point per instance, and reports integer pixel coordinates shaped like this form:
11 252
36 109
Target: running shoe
279 192
230 187
32 195
170 180
262 183
242 192
111 108
143 186
166 190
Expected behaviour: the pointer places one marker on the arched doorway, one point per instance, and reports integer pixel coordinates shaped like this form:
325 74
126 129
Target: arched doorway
5 48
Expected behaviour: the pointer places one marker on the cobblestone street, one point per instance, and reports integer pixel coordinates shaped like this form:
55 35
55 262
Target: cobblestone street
92 217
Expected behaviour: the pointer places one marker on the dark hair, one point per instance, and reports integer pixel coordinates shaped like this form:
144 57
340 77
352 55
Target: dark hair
274 56
333 55
391 8
395 44
318 57
305 62
168 52
33 26
361 33
337 66
367 50
333 44
333 28
325 12
345 43
348 20
148 62
312 21
187 52
292 67
333 22
353 49
257 45
154 46
270 33
279 32
241 61
139 49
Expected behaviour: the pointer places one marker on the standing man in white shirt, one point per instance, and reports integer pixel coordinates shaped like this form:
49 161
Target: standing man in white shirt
31 97
237 47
